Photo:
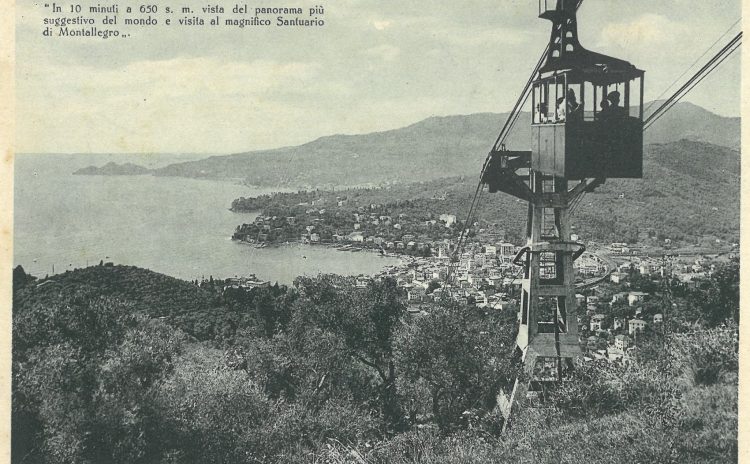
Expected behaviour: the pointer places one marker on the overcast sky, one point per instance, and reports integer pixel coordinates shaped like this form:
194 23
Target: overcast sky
376 65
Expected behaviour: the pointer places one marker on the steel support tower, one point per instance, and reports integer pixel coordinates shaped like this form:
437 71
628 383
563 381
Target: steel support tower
577 140
547 339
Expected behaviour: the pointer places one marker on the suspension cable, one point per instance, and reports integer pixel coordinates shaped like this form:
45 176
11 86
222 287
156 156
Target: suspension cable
701 74
497 146
576 202
696 79
693 64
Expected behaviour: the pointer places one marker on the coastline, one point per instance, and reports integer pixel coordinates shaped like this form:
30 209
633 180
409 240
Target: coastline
339 247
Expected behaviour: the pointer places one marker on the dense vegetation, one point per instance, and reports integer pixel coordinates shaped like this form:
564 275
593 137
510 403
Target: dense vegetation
119 364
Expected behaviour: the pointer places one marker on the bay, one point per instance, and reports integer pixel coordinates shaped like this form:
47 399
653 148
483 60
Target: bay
179 227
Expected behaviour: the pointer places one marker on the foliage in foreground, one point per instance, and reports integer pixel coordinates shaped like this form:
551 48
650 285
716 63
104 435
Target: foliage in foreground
326 372
616 413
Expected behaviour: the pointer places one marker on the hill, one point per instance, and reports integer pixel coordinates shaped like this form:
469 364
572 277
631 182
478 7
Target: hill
154 294
430 149
433 148
690 192
196 310
691 122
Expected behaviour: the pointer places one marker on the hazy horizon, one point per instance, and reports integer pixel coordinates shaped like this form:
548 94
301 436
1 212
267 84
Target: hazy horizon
200 155
373 67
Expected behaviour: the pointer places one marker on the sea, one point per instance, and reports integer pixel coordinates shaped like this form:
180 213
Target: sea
175 226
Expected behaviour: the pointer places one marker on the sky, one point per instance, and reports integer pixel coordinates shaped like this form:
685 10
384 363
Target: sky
375 65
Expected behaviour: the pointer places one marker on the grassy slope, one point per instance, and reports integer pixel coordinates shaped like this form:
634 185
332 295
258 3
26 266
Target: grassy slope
705 433
689 188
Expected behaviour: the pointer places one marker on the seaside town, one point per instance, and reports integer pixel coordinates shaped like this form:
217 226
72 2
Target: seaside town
620 287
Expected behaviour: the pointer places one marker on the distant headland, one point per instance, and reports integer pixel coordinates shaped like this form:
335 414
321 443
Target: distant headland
114 169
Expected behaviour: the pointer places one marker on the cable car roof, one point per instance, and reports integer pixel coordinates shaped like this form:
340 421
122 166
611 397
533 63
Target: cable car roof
566 55
584 65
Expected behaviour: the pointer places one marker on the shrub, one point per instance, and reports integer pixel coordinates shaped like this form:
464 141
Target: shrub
710 355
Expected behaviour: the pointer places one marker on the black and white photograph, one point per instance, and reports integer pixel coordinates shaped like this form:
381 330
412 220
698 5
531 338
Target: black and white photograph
375 232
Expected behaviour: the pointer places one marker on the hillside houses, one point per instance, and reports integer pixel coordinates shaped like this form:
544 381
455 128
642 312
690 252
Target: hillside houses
632 298
589 264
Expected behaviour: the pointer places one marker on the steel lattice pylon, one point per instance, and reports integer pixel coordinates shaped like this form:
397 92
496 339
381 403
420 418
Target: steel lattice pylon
547 338
586 126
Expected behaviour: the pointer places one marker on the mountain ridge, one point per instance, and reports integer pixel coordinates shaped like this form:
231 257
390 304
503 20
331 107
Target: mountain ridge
432 148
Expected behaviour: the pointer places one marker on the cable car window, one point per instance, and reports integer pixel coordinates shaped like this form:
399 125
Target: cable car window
574 96
635 98
540 101
559 99
589 101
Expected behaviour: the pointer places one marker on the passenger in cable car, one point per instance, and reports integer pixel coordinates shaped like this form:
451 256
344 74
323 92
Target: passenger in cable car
560 113
568 107
542 110
574 108
613 109
604 105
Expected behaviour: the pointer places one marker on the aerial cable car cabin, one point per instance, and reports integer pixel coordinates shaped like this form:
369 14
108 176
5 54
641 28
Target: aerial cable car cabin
587 108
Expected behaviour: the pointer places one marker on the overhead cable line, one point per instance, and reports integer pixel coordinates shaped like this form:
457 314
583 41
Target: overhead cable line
696 79
497 146
693 64
515 113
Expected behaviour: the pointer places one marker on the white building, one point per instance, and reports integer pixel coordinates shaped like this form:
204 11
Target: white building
636 325
622 342
507 250
448 219
356 237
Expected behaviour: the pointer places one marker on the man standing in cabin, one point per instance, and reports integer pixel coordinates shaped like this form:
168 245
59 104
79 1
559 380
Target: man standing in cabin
613 108
575 109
